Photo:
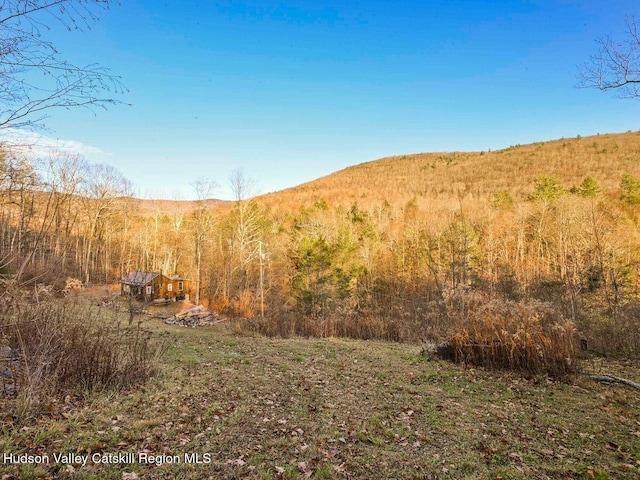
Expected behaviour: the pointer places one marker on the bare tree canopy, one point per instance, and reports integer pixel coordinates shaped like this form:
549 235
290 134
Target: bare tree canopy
34 76
204 188
243 186
616 66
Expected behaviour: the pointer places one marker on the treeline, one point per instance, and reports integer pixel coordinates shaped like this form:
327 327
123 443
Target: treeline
61 216
415 270
404 271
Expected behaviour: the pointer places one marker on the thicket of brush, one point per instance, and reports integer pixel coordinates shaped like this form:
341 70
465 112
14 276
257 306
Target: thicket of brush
65 347
526 336
338 324
613 331
530 336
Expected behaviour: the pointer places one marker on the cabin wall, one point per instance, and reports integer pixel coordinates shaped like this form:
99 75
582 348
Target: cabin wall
164 287
161 287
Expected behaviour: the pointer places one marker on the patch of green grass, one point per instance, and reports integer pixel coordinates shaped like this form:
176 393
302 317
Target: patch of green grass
324 471
411 357
467 468
43 436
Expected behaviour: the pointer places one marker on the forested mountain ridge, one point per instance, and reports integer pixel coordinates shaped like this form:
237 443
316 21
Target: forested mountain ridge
399 248
477 175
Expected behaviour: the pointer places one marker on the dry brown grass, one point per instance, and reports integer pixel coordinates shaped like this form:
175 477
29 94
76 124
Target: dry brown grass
344 325
529 337
66 347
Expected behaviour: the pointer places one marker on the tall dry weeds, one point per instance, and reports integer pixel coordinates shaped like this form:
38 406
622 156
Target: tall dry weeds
66 347
336 323
523 336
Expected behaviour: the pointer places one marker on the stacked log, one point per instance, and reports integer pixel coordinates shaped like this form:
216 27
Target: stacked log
72 285
193 317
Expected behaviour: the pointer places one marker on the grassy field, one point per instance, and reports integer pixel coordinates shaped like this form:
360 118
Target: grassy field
253 407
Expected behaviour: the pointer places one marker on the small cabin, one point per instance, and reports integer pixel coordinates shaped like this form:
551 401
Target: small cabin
149 286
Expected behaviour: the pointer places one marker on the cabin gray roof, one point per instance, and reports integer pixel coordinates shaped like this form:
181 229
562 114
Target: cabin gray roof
178 277
139 279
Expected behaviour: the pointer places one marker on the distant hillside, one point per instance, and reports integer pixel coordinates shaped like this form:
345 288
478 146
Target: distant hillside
150 207
446 176
473 175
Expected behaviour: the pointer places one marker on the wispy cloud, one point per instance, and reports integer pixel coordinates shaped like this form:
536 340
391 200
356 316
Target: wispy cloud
41 145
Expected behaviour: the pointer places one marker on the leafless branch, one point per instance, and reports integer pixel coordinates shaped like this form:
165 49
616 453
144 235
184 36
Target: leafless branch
24 52
616 65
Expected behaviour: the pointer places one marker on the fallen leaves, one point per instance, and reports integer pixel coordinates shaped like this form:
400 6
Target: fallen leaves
304 468
287 419
239 462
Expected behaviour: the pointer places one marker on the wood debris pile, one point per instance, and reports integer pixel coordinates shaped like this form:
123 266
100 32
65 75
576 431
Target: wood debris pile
72 285
194 317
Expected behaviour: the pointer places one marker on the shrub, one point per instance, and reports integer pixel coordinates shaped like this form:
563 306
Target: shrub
66 347
548 189
617 336
502 200
524 336
630 189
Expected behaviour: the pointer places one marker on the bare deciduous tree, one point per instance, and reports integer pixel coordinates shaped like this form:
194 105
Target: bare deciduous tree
202 222
103 186
34 76
616 65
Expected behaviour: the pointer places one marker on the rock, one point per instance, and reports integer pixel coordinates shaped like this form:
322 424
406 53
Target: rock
5 352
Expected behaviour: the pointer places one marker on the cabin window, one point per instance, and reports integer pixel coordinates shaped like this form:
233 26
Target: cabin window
149 289
180 286
170 287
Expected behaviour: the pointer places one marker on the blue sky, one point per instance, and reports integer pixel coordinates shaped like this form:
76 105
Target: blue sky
291 91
